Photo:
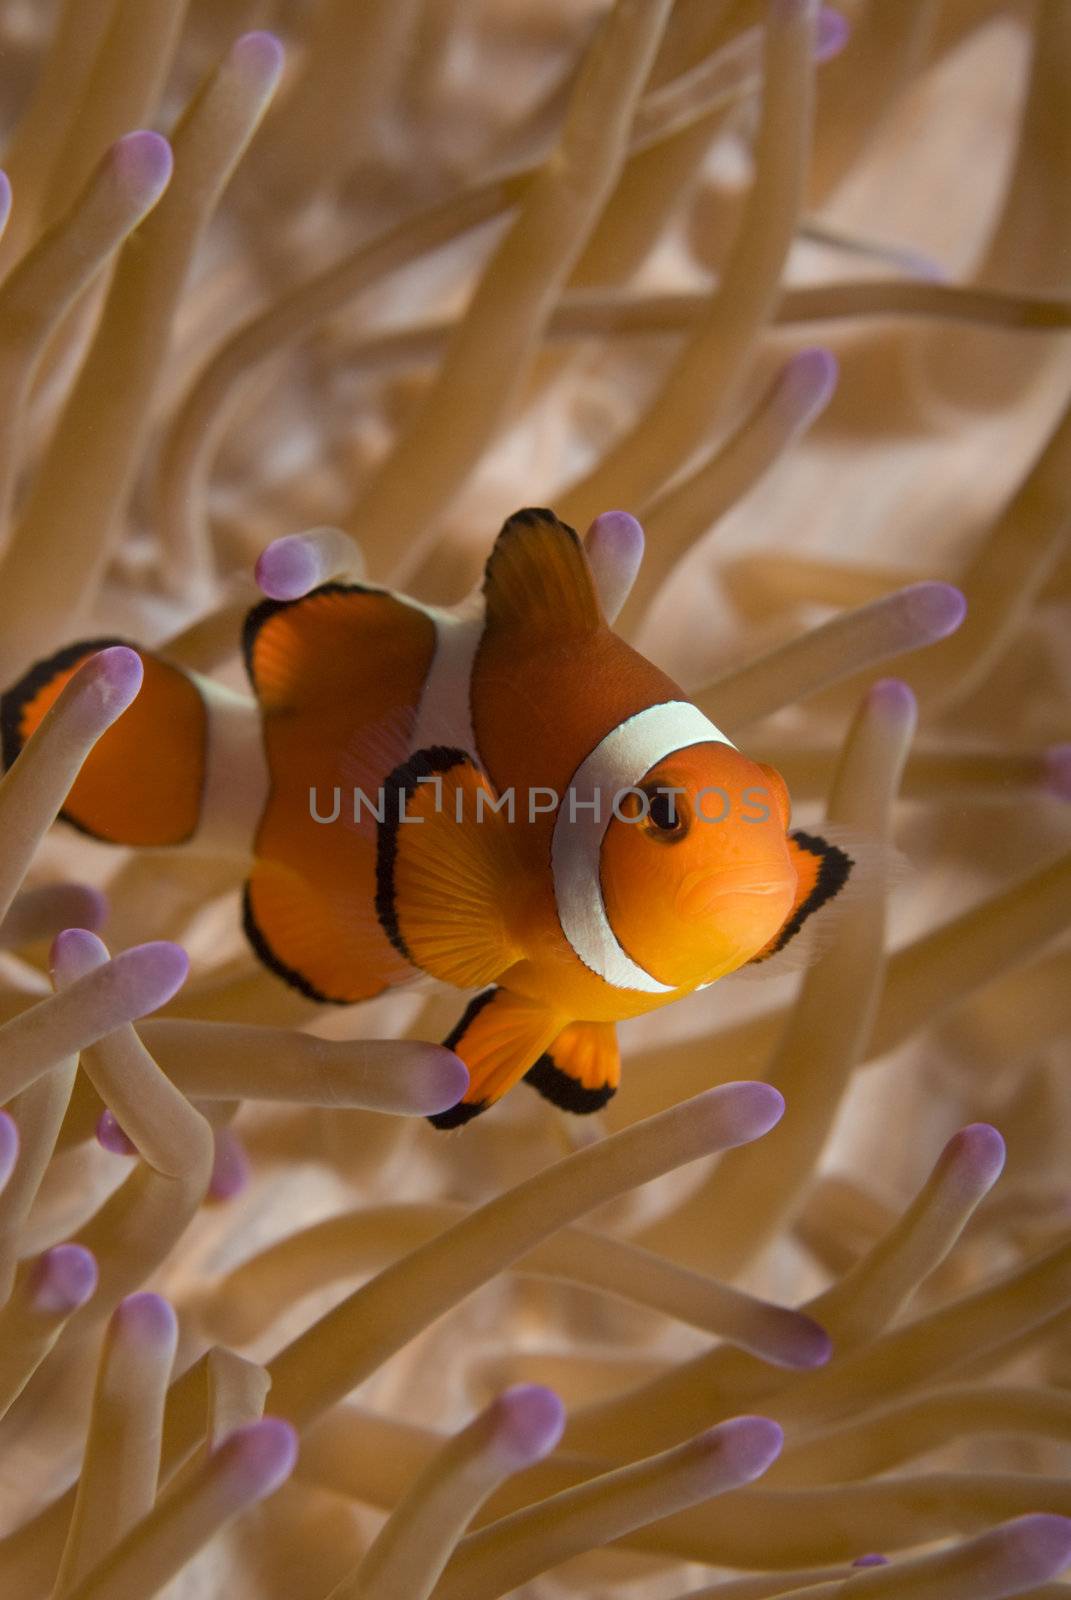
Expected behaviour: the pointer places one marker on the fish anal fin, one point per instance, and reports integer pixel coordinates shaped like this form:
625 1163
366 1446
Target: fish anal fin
499 1037
537 579
581 1070
445 869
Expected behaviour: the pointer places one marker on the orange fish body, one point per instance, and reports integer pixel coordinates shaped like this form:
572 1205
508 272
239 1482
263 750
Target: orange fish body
504 796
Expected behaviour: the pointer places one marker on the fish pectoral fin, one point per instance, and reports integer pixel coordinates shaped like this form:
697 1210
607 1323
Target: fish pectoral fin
538 581
581 1070
498 1038
445 869
823 870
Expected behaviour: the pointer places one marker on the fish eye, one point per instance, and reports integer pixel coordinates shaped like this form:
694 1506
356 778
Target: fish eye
666 818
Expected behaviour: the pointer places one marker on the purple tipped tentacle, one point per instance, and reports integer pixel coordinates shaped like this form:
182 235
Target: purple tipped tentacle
750 1444
230 1168
937 608
142 163
259 1457
831 35
1058 771
111 1137
64 1278
528 1421
755 1109
147 1317
9 1147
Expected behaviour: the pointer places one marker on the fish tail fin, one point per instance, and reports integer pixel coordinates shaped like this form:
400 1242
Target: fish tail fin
143 781
835 866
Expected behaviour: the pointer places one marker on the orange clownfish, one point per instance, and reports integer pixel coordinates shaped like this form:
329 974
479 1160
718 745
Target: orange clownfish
503 795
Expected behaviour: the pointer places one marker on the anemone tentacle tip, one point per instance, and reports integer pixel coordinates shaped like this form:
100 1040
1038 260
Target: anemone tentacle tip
9 1146
834 31
143 159
531 1419
754 1108
262 1455
753 1443
1058 770
1038 1544
811 375
288 568
939 606
147 1317
894 696
260 52
436 1079
110 1135
160 965
982 1150
618 525
812 1344
115 674
73 947
230 1166
64 1278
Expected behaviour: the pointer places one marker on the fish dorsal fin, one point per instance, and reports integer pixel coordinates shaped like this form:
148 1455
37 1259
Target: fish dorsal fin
342 649
537 579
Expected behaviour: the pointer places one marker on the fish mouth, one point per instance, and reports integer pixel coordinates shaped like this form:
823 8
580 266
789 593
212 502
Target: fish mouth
703 894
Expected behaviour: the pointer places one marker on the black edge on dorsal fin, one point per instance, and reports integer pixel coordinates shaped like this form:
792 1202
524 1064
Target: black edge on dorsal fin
264 610
537 578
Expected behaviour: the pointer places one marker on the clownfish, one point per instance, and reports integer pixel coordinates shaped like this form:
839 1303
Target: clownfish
503 795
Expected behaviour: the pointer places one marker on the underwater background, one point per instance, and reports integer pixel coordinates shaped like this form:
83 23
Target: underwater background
790 285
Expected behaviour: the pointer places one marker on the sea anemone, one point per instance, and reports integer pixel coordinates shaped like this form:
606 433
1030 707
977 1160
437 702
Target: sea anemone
385 274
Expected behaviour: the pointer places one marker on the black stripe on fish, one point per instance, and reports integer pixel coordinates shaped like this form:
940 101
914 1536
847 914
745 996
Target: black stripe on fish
398 788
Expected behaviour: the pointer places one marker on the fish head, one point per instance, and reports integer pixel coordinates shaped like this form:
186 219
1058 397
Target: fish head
695 868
